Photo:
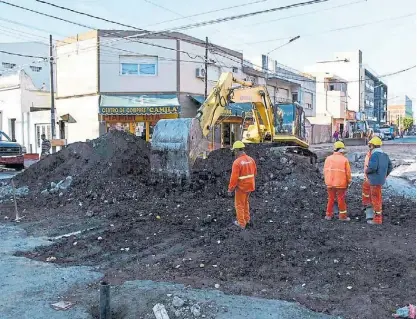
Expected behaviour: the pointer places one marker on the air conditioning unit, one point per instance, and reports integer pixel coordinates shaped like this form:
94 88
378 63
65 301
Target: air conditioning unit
251 79
200 73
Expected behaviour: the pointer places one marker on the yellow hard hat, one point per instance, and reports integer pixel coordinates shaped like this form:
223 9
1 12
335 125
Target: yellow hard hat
375 141
338 144
238 145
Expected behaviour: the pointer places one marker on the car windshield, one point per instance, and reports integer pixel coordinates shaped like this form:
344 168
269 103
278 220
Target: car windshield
4 137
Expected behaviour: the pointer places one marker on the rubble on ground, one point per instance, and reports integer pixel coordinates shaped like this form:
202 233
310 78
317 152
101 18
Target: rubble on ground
170 231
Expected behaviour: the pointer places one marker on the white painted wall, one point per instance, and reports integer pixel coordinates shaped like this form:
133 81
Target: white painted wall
347 70
17 95
76 68
25 63
193 85
85 111
111 79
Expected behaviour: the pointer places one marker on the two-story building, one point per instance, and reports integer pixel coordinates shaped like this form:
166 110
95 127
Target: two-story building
113 78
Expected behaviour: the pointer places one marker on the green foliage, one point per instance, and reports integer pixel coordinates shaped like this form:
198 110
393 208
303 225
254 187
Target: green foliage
407 123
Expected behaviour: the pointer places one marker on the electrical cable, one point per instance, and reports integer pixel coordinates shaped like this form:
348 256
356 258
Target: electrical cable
337 29
24 55
203 13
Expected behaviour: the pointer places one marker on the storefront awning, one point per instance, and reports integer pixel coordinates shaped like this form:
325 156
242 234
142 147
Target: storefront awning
233 109
139 104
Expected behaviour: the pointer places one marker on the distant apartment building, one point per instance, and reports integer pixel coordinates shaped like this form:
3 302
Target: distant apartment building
119 79
367 95
332 102
36 67
399 109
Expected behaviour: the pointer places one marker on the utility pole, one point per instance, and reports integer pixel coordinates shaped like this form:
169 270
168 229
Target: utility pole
205 69
51 69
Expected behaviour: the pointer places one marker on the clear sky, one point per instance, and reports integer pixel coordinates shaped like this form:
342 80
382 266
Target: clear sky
388 43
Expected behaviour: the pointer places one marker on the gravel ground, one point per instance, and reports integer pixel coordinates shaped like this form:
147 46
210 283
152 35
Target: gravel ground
136 230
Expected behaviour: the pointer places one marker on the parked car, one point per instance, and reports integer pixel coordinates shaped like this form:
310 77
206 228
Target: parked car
11 152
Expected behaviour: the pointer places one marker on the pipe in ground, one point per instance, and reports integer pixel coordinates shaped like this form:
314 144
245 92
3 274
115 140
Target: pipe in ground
104 300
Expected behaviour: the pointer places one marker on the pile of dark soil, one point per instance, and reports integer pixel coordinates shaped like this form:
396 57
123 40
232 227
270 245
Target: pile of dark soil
100 168
185 234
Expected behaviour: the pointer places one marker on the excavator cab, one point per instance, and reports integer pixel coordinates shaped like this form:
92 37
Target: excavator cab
289 123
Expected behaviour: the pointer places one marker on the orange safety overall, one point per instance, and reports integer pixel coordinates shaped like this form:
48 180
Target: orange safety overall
372 194
337 176
242 181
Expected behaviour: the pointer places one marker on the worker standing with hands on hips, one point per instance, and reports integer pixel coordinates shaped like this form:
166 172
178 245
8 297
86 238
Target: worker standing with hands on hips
242 182
377 167
337 176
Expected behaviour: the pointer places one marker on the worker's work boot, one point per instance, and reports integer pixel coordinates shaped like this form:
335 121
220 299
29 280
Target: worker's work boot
344 217
377 220
328 217
236 223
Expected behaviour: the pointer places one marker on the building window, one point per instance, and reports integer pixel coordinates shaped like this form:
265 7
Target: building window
35 68
295 97
235 69
138 65
308 100
7 65
332 87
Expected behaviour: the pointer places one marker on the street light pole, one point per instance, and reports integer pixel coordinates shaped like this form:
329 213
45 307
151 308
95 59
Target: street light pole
283 45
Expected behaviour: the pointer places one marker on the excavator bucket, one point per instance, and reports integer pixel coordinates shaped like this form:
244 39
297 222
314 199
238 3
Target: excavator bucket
176 144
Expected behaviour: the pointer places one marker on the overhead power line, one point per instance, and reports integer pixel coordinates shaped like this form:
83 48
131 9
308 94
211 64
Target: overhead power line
44 14
202 13
90 15
305 13
24 55
338 29
241 16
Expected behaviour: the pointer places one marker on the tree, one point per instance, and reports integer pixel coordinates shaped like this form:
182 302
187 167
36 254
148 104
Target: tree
407 123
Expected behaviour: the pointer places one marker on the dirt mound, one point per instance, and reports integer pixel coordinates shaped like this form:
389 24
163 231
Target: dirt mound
277 171
93 165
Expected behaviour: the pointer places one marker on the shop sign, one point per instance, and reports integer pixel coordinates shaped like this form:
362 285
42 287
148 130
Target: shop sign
136 118
138 110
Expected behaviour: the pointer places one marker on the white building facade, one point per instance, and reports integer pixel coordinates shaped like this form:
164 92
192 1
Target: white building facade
24 110
111 78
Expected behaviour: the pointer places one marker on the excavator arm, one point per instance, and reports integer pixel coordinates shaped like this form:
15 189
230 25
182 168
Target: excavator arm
220 96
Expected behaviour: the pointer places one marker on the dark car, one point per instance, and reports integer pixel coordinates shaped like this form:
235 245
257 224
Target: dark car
11 153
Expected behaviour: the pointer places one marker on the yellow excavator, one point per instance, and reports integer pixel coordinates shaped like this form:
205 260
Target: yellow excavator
176 143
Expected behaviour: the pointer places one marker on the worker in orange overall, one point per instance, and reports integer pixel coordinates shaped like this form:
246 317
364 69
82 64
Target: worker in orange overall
242 182
337 176
377 167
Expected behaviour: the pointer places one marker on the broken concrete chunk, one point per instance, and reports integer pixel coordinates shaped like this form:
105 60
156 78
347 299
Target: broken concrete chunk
195 310
177 302
160 312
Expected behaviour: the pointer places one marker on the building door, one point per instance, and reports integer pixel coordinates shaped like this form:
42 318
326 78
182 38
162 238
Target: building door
39 130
